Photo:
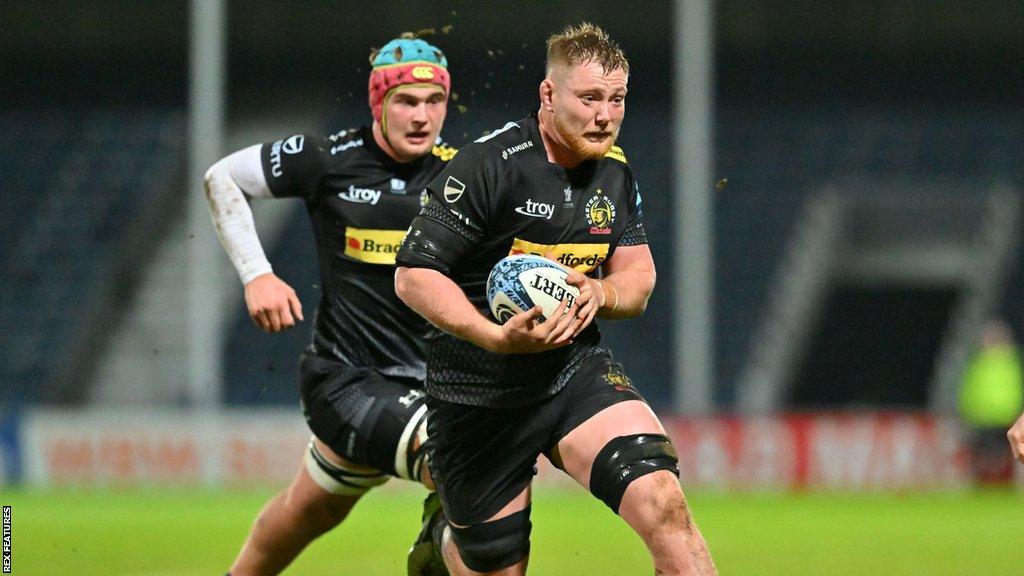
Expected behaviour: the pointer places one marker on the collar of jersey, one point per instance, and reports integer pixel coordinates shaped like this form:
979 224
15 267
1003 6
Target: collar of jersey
533 131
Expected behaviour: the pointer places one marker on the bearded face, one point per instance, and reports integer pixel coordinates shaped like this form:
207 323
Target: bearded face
587 107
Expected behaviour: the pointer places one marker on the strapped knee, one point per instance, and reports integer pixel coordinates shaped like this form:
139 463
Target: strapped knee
626 458
412 450
340 479
494 545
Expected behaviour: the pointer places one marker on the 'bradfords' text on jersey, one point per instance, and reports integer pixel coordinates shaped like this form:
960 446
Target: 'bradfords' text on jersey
373 246
584 257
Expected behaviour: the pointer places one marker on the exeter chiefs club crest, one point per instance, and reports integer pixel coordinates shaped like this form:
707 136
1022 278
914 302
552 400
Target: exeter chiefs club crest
600 213
618 379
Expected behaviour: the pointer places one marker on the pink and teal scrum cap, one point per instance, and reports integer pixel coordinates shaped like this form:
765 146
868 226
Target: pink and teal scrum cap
405 62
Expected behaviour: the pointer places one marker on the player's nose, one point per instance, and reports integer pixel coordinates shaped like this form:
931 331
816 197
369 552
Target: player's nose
419 113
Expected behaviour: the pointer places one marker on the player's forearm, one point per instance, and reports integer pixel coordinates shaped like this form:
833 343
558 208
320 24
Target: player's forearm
626 293
442 303
233 221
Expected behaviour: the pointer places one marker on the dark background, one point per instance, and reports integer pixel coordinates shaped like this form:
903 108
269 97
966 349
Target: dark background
806 92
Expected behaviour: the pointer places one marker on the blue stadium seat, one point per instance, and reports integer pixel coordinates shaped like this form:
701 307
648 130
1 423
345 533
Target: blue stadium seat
774 157
75 182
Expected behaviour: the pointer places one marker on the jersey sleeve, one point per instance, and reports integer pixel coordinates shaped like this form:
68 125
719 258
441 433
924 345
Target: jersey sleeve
294 166
462 200
634 234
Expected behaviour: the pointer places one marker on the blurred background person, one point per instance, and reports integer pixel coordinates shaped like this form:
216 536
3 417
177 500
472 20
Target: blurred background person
990 399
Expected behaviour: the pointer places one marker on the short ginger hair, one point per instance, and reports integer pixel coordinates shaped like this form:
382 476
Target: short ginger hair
585 43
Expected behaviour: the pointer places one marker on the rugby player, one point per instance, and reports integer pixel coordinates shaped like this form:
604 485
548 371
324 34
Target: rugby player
550 184
360 377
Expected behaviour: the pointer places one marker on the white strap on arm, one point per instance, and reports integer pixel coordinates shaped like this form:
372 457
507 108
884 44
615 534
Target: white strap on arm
229 209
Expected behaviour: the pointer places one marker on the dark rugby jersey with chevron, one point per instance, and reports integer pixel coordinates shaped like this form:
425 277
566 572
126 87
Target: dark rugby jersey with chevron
360 203
501 196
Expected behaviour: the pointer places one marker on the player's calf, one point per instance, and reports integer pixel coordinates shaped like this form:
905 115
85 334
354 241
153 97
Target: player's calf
655 507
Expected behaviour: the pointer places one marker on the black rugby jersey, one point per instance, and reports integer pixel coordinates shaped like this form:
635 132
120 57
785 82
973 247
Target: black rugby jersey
501 196
360 202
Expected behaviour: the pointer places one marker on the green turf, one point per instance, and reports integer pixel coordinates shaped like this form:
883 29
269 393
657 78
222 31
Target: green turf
182 533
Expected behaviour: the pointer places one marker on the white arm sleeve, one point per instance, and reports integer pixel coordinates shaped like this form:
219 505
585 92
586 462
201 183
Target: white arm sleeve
229 209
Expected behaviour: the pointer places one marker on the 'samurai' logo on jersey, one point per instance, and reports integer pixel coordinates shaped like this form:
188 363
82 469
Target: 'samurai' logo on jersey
360 195
600 213
582 257
373 246
517 148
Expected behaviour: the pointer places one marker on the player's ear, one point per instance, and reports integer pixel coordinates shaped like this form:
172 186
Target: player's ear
547 89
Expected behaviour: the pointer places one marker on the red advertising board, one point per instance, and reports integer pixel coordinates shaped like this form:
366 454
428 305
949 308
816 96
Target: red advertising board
836 451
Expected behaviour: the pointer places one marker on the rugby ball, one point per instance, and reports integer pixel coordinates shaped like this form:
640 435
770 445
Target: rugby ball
519 282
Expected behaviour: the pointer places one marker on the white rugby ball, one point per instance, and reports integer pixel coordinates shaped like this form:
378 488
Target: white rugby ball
519 282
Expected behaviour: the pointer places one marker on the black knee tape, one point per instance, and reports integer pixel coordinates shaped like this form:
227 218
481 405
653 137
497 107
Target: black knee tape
491 546
627 458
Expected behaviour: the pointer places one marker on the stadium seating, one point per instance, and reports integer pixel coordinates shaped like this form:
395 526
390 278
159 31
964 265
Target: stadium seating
83 181
775 157
78 186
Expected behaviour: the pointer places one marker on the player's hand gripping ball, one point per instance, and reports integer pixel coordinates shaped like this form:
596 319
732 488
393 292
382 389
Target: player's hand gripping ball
519 282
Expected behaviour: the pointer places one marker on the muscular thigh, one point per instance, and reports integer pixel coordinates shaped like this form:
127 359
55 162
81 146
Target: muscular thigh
361 415
483 459
601 404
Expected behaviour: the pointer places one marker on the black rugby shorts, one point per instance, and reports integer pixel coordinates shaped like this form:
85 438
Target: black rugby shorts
359 412
482 458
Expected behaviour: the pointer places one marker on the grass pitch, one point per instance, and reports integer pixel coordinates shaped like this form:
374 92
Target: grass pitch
185 533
